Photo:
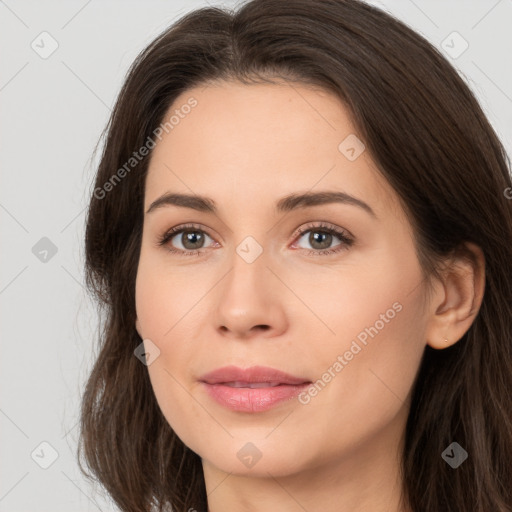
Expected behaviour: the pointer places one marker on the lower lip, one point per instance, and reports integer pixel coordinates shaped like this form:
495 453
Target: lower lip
252 399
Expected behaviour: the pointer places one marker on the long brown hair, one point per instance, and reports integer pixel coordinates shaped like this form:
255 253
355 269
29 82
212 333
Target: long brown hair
429 138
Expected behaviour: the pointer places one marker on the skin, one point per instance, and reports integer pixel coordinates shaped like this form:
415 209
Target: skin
246 146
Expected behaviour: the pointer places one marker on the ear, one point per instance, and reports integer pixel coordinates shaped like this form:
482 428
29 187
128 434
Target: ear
457 299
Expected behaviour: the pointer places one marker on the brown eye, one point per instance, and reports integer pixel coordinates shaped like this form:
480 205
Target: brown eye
191 240
186 240
321 238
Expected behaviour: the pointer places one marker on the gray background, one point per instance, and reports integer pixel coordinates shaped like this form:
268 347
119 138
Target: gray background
53 111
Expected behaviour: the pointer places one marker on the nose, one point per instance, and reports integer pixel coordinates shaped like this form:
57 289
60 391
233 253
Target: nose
251 301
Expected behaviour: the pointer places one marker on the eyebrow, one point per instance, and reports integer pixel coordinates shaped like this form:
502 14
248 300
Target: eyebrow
285 204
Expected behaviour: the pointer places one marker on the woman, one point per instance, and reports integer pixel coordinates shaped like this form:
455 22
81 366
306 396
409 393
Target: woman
301 235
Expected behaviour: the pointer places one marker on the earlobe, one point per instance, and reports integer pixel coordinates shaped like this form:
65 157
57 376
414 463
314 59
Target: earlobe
137 327
457 302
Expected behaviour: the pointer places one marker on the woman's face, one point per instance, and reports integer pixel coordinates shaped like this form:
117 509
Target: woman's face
244 287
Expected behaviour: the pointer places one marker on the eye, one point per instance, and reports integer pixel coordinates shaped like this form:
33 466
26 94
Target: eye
190 237
320 237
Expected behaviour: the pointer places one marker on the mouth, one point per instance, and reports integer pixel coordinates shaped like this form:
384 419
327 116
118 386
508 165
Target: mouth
252 385
262 376
254 389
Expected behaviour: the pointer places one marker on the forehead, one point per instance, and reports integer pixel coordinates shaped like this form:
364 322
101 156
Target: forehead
261 141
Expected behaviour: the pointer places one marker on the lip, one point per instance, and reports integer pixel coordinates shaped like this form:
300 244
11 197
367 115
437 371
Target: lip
254 374
219 384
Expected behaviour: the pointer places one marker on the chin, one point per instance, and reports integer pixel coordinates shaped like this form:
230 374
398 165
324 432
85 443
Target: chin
256 459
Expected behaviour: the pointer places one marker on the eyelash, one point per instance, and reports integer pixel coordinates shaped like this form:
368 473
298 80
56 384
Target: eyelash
346 240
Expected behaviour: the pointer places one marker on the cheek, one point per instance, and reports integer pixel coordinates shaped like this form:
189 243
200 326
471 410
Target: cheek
164 305
372 316
163 295
370 391
367 368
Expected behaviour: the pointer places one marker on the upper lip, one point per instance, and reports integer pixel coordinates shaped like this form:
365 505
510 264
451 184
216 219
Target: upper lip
250 375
